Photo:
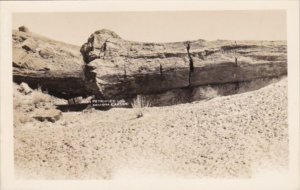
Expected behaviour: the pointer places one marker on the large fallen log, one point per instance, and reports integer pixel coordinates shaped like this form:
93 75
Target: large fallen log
111 67
123 68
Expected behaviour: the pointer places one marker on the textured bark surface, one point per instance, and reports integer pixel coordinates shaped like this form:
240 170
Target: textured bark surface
124 68
108 66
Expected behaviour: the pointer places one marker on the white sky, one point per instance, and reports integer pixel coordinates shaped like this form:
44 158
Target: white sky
75 28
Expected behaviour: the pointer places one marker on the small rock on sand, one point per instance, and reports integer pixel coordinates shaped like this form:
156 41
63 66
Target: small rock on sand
48 115
24 88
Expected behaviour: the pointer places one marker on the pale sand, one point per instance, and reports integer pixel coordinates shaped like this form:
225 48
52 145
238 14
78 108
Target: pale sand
230 136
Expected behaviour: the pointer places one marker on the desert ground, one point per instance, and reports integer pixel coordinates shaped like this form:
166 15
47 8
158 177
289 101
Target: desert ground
235 136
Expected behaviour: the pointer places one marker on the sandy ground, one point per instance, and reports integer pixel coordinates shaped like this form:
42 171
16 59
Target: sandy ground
230 136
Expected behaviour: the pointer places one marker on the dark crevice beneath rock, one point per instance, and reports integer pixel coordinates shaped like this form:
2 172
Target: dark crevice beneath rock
125 73
191 62
187 94
237 83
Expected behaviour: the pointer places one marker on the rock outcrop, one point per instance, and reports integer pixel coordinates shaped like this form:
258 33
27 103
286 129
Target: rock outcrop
123 68
50 64
110 67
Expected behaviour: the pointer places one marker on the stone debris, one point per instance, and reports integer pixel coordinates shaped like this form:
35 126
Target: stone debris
24 88
51 115
23 29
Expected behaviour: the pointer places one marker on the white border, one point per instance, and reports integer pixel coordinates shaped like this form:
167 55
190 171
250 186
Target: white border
290 181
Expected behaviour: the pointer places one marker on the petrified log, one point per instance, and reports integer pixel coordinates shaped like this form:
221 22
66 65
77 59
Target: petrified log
115 68
125 68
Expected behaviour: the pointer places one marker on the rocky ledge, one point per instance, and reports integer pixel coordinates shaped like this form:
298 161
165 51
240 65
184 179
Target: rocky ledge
49 64
112 67
124 68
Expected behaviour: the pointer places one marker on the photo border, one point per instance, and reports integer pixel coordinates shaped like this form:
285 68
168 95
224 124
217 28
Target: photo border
290 181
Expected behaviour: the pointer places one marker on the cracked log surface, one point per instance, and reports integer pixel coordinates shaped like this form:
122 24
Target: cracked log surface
115 68
124 68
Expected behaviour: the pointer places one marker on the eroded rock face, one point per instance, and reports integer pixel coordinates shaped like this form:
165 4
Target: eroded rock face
123 68
109 67
51 65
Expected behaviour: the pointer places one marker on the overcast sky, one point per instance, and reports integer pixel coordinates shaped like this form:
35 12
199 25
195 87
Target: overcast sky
75 28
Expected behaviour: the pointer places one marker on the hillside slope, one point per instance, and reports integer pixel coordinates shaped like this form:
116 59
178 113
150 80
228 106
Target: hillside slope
52 65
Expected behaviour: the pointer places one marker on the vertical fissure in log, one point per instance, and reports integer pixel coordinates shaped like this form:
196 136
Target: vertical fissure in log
125 74
160 69
103 49
124 66
237 84
191 63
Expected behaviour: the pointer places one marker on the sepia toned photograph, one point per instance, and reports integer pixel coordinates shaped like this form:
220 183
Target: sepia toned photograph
143 92
103 96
